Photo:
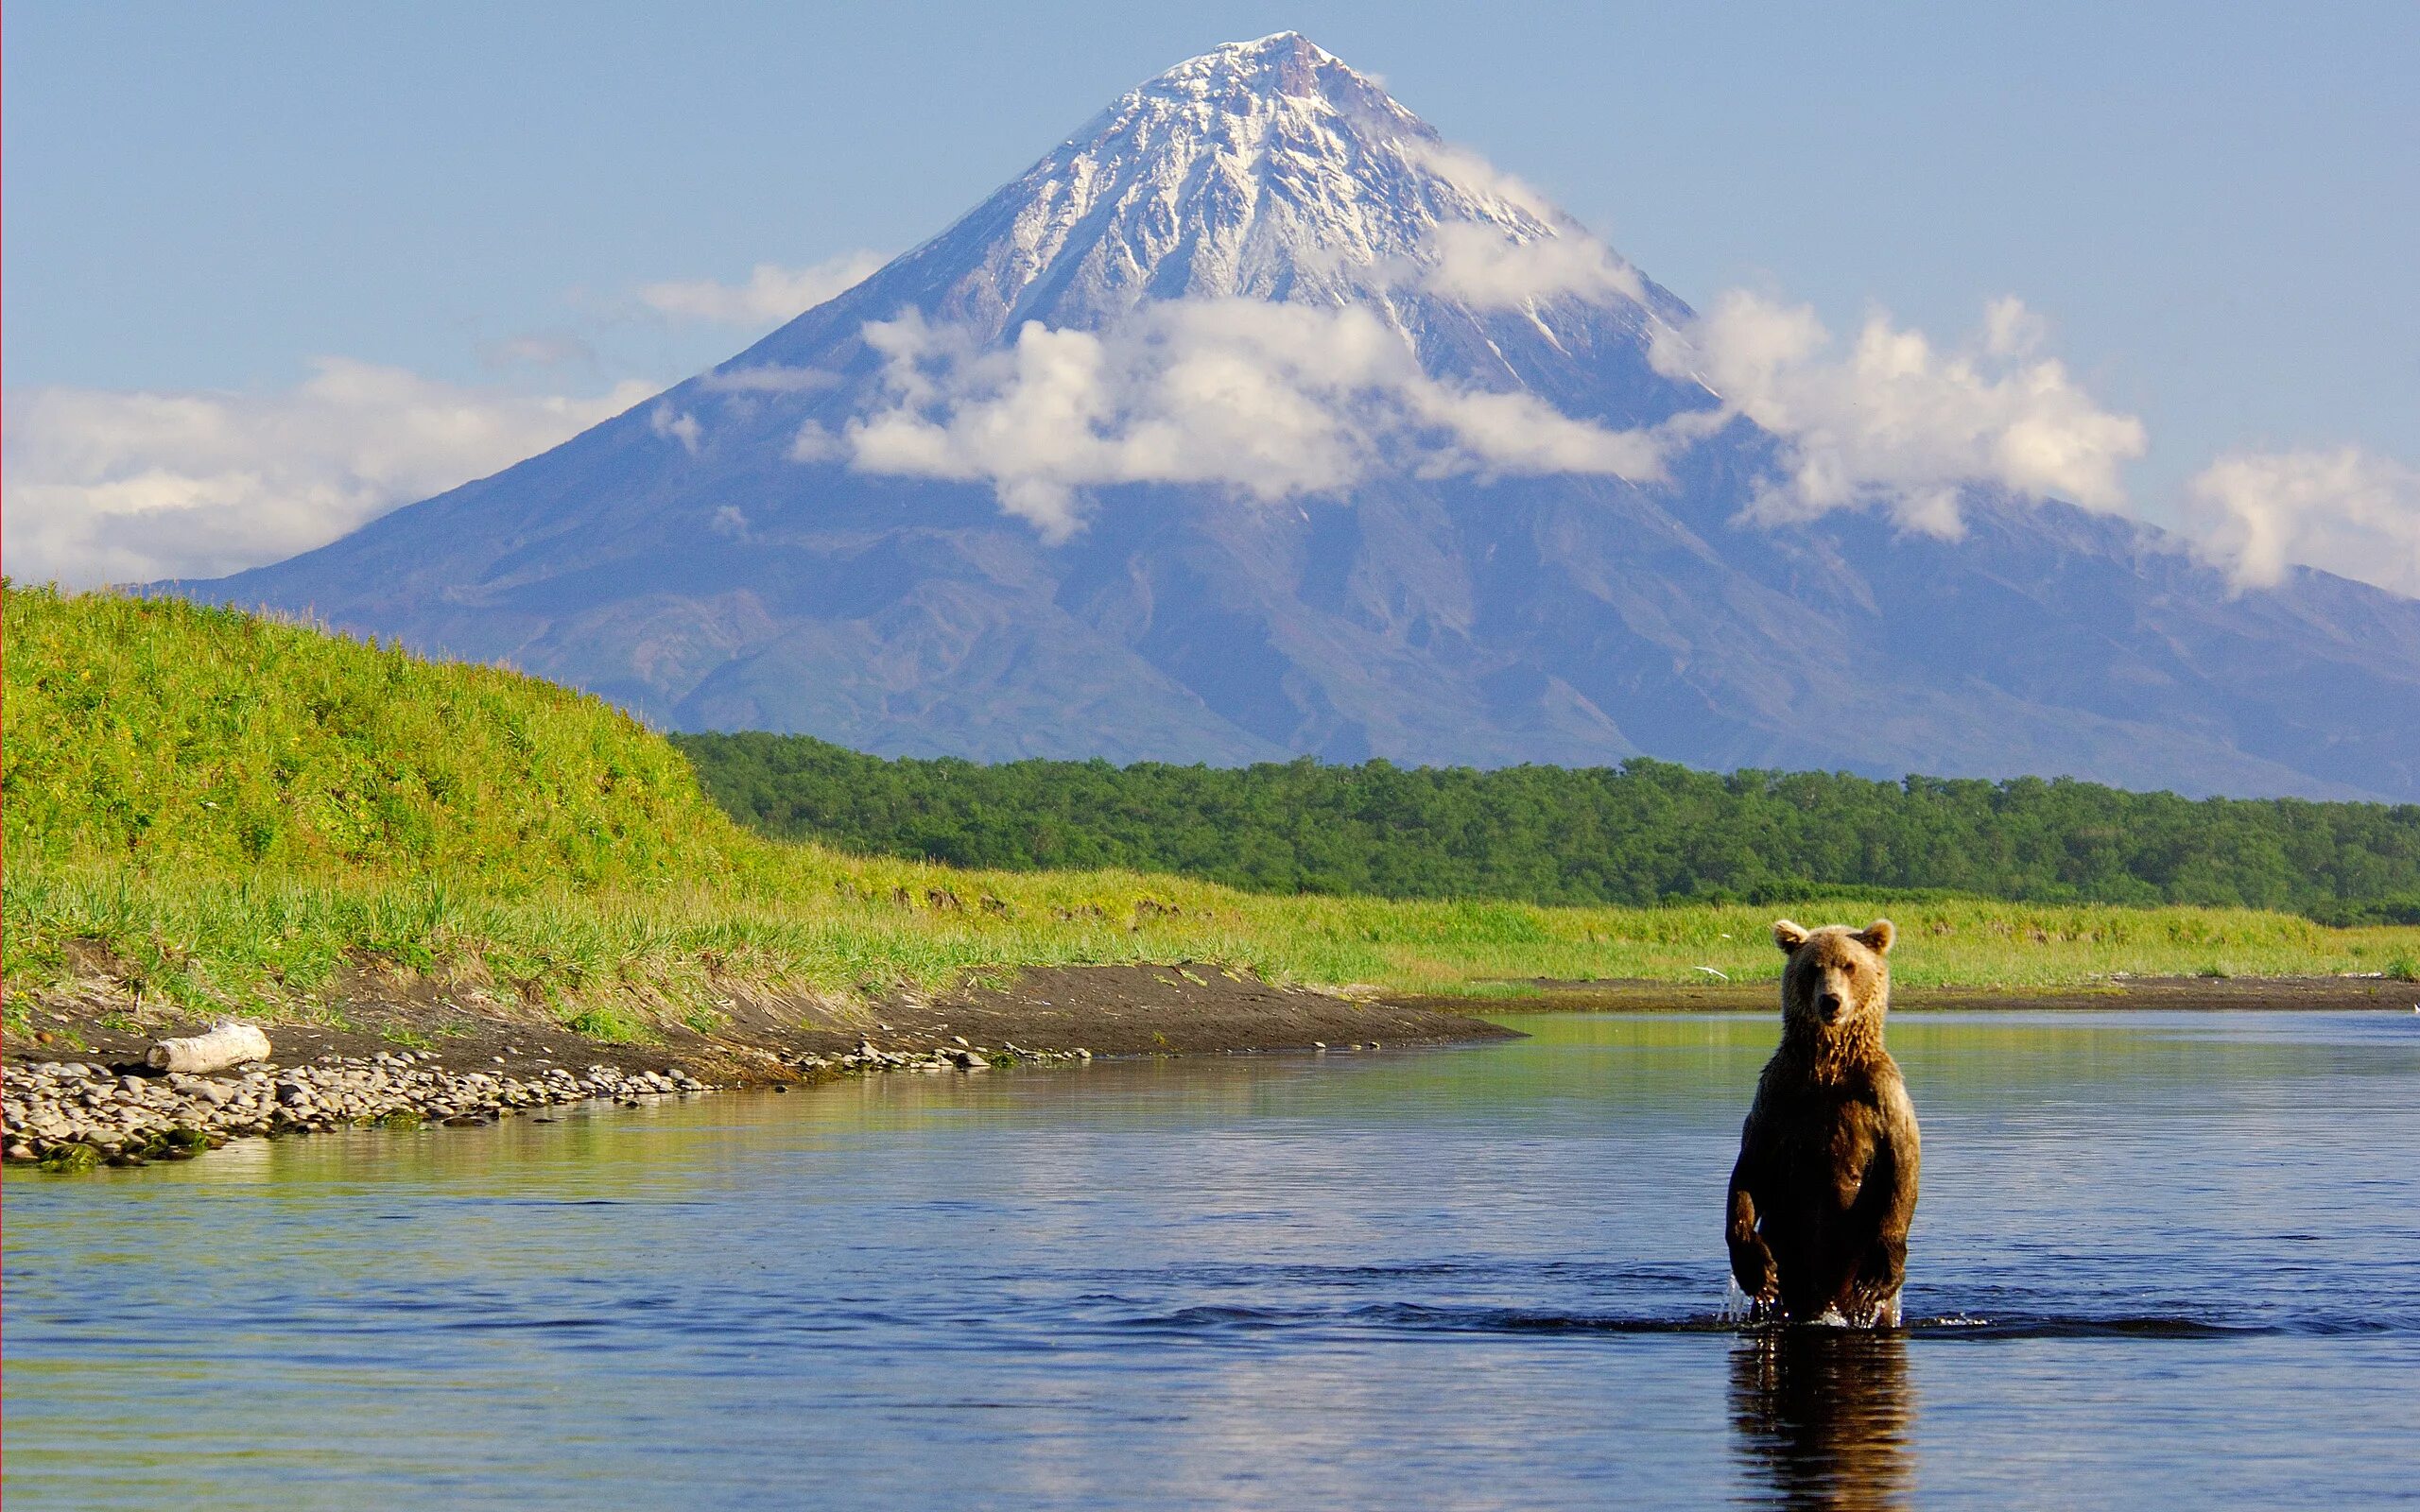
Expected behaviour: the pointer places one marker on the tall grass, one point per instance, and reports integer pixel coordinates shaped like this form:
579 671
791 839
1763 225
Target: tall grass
210 811
147 729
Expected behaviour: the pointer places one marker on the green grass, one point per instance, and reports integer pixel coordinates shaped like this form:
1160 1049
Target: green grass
211 811
143 730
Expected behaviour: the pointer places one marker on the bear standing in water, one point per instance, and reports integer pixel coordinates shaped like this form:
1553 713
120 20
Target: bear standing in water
1827 1178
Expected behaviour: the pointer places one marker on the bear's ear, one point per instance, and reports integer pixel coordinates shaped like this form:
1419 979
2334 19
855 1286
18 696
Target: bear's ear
1789 936
1878 937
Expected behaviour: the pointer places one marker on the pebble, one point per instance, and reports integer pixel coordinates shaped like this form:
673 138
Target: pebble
956 1055
73 1116
69 1115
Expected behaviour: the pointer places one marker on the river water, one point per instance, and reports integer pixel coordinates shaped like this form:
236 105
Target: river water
2160 1260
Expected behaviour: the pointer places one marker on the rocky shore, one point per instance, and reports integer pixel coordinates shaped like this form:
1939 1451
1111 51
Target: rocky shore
75 1091
68 1115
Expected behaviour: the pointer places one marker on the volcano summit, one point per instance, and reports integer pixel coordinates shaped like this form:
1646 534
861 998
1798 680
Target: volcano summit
1256 420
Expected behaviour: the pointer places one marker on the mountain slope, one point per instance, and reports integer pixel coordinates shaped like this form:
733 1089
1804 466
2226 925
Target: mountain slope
1256 419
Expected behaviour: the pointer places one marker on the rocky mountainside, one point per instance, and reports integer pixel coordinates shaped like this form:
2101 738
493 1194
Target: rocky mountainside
1256 419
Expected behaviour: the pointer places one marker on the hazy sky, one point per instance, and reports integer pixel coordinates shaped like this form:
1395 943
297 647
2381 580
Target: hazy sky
2216 208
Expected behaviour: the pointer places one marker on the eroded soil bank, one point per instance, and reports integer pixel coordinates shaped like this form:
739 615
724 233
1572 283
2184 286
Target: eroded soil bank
410 1051
1109 1010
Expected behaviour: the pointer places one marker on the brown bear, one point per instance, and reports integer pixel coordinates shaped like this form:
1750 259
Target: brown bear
1826 1176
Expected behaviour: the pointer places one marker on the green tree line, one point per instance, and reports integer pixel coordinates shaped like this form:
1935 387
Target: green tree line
1644 832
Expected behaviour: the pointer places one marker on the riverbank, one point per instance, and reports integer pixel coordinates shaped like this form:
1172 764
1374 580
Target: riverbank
74 1094
1187 1008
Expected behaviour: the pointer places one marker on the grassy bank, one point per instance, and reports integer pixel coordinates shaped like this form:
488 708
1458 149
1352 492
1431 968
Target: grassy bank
205 811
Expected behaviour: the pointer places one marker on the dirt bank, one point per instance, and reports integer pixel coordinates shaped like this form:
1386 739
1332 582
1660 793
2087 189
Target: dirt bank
1110 1010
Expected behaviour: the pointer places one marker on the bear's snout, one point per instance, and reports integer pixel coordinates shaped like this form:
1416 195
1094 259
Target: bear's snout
1830 1005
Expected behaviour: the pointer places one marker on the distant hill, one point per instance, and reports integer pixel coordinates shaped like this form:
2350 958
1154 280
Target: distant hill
793 542
1647 832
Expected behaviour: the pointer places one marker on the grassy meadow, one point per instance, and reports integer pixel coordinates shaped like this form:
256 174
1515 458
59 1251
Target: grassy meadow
207 811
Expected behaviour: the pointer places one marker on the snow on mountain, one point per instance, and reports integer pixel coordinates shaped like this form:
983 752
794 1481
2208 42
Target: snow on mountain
1256 271
1256 419
1262 170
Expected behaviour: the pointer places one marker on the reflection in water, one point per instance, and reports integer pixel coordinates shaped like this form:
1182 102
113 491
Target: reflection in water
1822 1417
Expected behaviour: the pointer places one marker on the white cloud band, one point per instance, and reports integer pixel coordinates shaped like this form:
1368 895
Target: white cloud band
2347 510
1485 269
130 486
1274 400
1897 422
772 295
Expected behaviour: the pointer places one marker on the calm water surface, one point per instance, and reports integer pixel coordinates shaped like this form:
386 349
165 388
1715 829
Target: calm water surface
2161 1259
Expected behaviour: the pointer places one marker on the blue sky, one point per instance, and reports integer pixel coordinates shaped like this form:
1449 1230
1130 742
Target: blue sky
2216 208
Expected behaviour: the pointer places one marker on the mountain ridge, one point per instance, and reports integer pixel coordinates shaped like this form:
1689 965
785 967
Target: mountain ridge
1255 420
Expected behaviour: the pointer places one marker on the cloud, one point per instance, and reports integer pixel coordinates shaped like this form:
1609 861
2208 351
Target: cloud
2011 329
2347 510
537 349
677 425
1502 245
1895 421
1272 401
770 296
129 487
813 443
770 379
1491 190
1485 269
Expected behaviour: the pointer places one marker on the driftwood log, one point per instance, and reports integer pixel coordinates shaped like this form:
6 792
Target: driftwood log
230 1044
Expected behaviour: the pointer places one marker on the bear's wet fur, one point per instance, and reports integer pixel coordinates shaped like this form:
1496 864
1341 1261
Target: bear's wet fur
1825 1182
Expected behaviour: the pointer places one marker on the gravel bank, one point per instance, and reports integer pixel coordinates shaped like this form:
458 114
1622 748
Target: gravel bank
69 1115
417 1050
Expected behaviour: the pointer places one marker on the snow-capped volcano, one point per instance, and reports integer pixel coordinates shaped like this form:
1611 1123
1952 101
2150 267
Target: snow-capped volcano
1266 173
1262 170
1256 419
1256 271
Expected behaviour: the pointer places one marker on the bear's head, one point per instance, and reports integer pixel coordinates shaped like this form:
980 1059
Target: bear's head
1836 986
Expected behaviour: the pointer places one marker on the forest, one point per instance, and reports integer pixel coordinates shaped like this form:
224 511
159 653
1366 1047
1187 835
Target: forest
1645 832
